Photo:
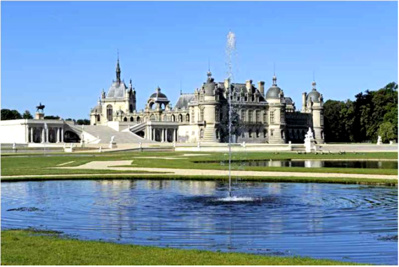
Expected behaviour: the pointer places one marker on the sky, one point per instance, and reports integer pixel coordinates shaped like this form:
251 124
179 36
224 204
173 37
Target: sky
63 54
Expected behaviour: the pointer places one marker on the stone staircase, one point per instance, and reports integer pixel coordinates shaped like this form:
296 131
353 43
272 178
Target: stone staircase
209 135
105 133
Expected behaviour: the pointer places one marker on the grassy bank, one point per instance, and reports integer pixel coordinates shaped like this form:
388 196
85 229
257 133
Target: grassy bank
21 247
37 165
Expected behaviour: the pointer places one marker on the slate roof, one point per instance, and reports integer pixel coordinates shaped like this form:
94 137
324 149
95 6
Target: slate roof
184 99
117 90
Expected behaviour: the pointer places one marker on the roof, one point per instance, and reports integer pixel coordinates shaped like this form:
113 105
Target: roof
158 96
117 90
182 102
288 100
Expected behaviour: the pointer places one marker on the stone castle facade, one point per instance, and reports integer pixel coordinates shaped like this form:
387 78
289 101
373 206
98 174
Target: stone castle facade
202 116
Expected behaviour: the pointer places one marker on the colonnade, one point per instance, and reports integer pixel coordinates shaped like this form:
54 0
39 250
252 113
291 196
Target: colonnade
162 134
45 135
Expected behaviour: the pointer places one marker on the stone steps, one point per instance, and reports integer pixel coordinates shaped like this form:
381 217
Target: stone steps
209 135
105 133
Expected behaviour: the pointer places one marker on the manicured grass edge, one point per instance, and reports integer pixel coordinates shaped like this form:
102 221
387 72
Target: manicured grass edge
32 247
289 179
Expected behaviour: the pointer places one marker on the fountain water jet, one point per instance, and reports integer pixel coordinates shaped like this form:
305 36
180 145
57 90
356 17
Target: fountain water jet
230 52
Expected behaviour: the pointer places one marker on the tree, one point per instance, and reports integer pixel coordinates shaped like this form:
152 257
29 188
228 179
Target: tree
83 122
27 115
362 120
7 114
386 131
51 117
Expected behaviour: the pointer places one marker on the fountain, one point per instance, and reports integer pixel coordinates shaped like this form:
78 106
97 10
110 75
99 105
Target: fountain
230 51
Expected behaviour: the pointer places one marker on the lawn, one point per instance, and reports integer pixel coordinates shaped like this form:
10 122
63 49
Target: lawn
43 165
23 247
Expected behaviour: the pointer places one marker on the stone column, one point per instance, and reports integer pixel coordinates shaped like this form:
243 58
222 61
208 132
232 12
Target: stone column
58 135
162 135
62 135
47 135
31 134
43 136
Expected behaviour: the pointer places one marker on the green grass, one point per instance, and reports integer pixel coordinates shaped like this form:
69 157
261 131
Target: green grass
42 165
21 247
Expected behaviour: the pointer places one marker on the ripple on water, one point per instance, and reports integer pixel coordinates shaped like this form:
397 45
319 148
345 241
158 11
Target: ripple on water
316 220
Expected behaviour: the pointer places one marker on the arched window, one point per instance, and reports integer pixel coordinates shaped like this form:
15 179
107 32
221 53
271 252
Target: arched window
188 118
152 117
173 118
138 119
180 118
124 119
109 112
131 119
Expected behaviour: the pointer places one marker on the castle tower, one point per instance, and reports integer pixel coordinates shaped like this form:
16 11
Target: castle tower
314 104
276 114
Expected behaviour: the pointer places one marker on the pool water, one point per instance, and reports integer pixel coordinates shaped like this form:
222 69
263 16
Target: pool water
343 222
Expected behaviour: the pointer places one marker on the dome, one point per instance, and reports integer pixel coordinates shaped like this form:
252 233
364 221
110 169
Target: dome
210 85
274 91
158 96
314 95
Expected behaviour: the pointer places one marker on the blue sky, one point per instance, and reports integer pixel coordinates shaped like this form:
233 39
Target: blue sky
64 53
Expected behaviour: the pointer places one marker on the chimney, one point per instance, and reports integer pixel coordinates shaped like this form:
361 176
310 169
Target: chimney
303 102
262 87
248 85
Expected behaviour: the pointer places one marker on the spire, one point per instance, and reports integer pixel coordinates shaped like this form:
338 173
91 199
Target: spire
274 80
274 75
118 70
314 85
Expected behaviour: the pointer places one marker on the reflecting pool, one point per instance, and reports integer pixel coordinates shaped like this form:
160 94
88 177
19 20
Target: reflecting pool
315 163
343 222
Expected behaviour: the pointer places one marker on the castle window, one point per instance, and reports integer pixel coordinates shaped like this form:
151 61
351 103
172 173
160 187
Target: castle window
109 112
180 118
249 115
188 117
173 118
131 119
124 119
138 119
257 116
265 133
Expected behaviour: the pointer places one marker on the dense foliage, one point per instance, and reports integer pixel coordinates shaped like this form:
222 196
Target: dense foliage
373 113
7 114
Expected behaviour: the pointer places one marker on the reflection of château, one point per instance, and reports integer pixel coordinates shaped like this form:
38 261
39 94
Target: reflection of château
203 115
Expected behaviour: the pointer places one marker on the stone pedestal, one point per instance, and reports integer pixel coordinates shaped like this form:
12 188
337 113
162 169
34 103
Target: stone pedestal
112 145
39 116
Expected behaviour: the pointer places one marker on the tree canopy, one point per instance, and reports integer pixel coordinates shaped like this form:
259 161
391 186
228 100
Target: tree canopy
7 114
373 113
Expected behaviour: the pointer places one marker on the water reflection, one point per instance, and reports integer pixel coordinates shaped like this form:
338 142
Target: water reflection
316 163
317 220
